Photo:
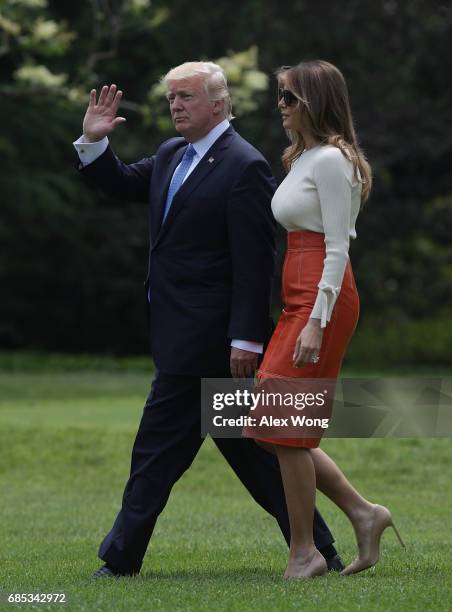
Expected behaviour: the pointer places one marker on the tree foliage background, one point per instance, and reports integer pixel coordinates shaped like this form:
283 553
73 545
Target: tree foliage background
72 262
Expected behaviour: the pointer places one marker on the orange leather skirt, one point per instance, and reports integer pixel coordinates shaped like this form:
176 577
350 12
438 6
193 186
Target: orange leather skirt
302 271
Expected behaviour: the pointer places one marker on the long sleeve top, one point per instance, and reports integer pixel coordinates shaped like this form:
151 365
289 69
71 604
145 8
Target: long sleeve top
321 194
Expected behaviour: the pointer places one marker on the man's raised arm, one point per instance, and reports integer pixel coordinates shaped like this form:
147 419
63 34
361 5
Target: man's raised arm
97 160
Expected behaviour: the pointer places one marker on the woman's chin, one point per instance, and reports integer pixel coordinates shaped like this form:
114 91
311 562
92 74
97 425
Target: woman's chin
286 123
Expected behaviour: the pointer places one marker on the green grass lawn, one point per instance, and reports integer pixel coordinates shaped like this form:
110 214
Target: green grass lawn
65 450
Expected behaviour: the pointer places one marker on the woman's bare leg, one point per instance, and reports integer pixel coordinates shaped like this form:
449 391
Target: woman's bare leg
364 516
368 519
332 482
298 475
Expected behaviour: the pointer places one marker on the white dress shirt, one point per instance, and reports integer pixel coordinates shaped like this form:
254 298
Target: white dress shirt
90 151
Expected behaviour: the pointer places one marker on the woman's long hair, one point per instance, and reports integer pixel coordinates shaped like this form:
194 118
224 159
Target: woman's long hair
324 104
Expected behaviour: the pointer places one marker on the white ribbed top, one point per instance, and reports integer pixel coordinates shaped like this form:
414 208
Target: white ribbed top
321 194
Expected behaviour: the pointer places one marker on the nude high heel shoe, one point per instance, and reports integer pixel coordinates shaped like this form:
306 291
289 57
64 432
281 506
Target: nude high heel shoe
368 558
311 568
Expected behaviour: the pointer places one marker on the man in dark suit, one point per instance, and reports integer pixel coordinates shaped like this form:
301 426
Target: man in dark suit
211 260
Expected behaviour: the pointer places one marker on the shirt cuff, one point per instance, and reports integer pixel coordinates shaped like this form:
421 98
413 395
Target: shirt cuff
90 151
246 345
324 304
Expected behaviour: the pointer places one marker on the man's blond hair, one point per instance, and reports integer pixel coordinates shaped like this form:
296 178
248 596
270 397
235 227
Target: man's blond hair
215 81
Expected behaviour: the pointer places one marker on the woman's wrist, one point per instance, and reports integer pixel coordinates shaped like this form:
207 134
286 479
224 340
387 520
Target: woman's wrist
314 322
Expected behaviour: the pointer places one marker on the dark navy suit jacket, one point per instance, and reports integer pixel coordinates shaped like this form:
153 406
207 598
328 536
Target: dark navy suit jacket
211 262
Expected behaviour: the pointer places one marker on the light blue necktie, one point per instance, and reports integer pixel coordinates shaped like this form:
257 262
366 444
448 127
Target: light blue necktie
178 177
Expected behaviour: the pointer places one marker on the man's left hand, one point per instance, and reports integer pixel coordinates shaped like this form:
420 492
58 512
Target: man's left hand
243 363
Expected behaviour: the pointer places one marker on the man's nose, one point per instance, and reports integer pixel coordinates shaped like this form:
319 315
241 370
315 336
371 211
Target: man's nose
177 103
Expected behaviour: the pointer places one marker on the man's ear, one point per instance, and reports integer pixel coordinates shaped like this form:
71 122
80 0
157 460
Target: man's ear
218 107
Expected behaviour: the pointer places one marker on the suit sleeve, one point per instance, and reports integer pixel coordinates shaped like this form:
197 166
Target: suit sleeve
120 180
251 231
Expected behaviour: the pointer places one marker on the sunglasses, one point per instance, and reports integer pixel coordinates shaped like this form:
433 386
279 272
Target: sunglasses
287 96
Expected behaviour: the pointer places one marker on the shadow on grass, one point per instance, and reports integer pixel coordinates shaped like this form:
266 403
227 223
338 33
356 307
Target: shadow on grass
194 574
244 574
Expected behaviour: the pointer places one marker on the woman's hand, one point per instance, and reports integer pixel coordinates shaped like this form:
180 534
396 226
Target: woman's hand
307 346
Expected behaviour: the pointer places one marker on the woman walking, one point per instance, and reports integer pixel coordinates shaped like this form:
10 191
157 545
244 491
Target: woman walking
318 202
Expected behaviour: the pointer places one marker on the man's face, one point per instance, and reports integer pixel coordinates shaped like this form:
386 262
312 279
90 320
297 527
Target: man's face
192 112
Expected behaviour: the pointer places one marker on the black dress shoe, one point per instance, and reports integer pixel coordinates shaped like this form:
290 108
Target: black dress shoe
105 572
335 564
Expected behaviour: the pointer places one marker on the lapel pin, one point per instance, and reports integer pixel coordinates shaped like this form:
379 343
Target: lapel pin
210 160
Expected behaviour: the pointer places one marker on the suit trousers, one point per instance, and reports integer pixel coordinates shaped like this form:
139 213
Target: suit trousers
168 439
